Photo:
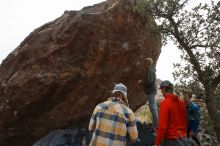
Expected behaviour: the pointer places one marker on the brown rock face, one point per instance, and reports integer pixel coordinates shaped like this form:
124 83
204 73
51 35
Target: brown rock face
57 75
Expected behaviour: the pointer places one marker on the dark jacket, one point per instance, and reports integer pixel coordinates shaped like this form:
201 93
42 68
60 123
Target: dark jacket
149 81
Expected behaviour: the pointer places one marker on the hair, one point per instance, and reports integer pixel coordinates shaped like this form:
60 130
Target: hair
118 94
187 94
148 60
190 95
169 88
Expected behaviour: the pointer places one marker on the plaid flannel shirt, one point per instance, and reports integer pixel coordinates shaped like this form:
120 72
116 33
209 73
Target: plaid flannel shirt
112 124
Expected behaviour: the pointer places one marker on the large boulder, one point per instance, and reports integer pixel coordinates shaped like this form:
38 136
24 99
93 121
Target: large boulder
57 75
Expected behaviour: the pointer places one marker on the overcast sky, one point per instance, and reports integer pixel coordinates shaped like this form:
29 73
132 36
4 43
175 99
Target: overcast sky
20 17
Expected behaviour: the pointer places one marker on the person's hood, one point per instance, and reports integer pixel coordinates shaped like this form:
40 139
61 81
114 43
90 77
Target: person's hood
171 97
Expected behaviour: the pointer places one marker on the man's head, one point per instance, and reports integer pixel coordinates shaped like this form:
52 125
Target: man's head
120 92
148 62
166 86
187 96
121 88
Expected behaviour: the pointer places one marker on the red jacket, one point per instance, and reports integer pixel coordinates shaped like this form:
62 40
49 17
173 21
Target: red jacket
172 119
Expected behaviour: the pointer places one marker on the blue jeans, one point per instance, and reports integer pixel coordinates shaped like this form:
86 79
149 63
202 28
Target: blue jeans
153 109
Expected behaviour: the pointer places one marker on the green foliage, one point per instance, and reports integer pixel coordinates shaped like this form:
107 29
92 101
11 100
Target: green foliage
142 7
207 122
193 87
195 32
218 92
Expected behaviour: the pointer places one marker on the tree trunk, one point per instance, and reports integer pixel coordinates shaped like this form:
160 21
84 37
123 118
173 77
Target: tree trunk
213 105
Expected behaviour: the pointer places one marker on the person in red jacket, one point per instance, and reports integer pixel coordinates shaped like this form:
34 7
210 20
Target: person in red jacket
172 124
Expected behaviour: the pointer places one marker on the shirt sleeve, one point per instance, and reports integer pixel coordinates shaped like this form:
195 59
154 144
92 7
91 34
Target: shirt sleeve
162 125
92 122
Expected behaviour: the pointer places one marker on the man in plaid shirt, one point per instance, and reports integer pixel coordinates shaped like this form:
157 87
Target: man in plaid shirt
112 122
